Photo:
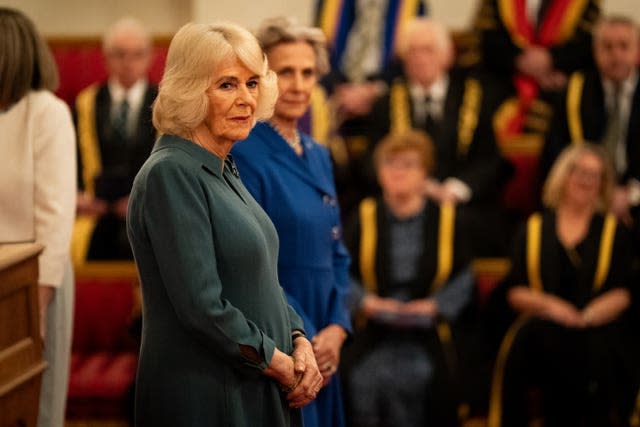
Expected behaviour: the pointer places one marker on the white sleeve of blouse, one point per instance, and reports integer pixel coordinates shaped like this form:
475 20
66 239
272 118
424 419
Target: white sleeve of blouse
54 152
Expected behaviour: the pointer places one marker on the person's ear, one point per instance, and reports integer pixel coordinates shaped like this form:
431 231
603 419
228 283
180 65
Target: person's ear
449 57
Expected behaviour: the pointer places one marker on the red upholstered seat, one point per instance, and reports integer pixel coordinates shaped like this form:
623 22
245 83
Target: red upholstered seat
104 353
489 272
521 194
103 312
99 384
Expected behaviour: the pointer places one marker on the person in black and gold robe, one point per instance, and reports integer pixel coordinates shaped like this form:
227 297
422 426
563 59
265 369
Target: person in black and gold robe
115 137
455 110
412 285
568 290
602 105
533 46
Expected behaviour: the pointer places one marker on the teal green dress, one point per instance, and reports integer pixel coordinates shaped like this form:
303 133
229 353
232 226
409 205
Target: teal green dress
213 310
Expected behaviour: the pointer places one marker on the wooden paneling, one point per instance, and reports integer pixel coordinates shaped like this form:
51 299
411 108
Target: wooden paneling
21 363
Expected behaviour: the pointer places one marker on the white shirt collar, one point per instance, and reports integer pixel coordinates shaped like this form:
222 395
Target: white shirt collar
438 94
627 87
134 95
533 10
437 91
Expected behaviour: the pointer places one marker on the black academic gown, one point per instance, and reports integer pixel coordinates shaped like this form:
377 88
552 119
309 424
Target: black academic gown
446 390
582 375
119 161
465 149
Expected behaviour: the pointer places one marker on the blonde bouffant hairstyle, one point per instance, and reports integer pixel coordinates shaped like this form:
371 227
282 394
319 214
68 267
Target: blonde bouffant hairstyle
554 186
195 52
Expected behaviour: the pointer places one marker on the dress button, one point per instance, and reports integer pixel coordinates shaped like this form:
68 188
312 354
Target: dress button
335 232
328 200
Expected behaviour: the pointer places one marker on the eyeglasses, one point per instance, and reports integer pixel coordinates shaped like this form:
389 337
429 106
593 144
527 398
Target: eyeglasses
587 173
401 163
128 55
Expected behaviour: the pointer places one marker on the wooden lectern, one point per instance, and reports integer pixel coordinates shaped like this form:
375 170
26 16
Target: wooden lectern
21 363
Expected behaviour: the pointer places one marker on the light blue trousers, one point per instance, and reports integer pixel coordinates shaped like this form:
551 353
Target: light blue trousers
57 353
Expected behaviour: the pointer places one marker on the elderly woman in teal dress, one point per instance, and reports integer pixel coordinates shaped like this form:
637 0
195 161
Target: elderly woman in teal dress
220 344
290 176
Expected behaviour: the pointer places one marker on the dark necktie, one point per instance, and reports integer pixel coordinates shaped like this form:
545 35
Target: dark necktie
430 123
613 132
121 119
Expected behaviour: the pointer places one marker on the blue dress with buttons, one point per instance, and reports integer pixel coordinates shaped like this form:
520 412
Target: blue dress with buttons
299 195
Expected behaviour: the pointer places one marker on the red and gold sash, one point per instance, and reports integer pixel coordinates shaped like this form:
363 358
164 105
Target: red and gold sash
557 26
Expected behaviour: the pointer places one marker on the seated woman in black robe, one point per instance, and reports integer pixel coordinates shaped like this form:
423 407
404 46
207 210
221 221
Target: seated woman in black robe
411 283
567 290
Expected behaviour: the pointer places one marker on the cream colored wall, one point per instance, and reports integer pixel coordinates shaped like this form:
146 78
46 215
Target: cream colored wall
250 12
91 17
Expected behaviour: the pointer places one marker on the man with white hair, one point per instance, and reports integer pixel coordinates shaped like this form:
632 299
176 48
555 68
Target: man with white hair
115 136
455 110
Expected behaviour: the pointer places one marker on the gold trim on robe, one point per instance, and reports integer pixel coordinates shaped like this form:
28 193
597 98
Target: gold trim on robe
88 147
534 238
574 99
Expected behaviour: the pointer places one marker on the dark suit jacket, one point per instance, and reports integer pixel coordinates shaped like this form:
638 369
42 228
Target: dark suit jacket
120 160
593 120
480 166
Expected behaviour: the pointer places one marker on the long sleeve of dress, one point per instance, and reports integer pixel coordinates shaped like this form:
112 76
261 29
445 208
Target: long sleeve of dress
339 311
186 254
54 185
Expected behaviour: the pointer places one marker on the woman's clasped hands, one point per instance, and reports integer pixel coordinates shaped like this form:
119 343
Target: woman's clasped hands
298 374
306 369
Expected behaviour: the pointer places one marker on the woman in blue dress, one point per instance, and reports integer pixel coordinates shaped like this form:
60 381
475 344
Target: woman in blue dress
291 176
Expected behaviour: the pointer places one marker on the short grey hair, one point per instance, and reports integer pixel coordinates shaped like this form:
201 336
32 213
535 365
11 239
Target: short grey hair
283 29
604 21
194 54
128 25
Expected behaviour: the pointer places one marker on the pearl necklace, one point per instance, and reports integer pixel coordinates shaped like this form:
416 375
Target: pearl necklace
294 143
